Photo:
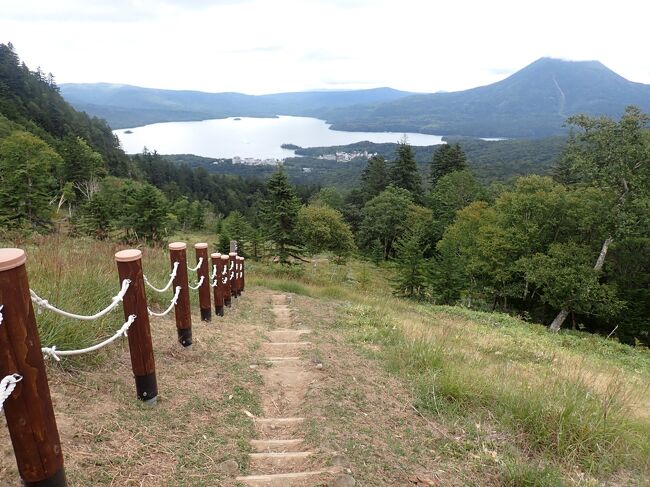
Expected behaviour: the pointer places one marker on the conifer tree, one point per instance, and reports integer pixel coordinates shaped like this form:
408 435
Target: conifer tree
447 159
374 177
410 279
279 215
404 171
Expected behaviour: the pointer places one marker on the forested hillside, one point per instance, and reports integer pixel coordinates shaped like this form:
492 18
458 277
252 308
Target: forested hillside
61 166
131 106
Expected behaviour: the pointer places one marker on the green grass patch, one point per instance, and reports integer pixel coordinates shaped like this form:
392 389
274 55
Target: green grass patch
563 421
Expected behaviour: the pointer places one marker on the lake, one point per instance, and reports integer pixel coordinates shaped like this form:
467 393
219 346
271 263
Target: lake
250 137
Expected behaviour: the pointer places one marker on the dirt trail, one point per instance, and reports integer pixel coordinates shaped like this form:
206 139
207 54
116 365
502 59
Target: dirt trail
280 457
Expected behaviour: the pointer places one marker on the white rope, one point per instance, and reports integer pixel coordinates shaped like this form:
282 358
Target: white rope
1 317
212 276
57 354
213 283
171 279
44 304
224 272
171 305
198 264
198 284
7 386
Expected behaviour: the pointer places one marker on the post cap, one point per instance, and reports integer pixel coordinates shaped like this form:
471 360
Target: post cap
215 255
128 255
240 257
201 245
232 254
224 257
11 258
177 246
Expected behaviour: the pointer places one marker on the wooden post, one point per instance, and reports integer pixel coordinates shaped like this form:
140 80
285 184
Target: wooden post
243 274
29 412
182 312
217 290
225 280
201 250
239 274
129 266
232 272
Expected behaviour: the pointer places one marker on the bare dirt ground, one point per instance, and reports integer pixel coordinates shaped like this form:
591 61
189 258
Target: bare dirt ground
272 394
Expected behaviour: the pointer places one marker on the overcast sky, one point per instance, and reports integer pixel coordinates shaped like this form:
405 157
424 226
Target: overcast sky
267 46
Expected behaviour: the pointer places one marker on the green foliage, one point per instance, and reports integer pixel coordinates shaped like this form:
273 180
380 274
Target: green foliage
565 279
384 219
452 192
404 170
374 177
237 228
409 263
279 214
324 230
328 196
446 159
26 182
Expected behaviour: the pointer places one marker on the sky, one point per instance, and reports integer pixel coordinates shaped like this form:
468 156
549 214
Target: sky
270 46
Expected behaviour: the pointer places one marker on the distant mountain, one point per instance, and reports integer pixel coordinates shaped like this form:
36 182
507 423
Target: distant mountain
128 106
533 102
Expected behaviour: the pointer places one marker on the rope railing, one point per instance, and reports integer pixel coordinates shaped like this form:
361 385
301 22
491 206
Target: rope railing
7 386
171 280
43 304
214 272
57 354
198 265
171 305
198 284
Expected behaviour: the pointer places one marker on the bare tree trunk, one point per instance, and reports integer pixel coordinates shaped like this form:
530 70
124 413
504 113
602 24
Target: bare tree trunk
559 319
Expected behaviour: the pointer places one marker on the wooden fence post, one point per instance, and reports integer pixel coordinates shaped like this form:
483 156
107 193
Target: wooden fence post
232 272
217 290
243 275
239 262
129 266
29 412
201 250
227 296
182 312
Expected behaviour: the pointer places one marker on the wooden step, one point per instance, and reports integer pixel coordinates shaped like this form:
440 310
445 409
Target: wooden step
282 462
291 445
284 479
279 428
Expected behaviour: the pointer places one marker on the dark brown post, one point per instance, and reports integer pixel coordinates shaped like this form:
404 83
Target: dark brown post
29 412
129 266
243 275
225 280
239 262
203 271
217 290
232 272
182 311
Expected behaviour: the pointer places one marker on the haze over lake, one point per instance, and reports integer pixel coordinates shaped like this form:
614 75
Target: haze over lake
250 137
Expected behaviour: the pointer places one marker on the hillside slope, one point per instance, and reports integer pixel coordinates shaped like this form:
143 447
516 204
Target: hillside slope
130 106
532 102
391 392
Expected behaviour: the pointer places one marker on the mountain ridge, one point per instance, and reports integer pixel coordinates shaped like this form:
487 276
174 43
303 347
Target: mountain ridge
532 102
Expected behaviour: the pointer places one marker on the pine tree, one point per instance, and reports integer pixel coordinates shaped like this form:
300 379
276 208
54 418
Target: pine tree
279 215
410 280
404 171
447 159
374 177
